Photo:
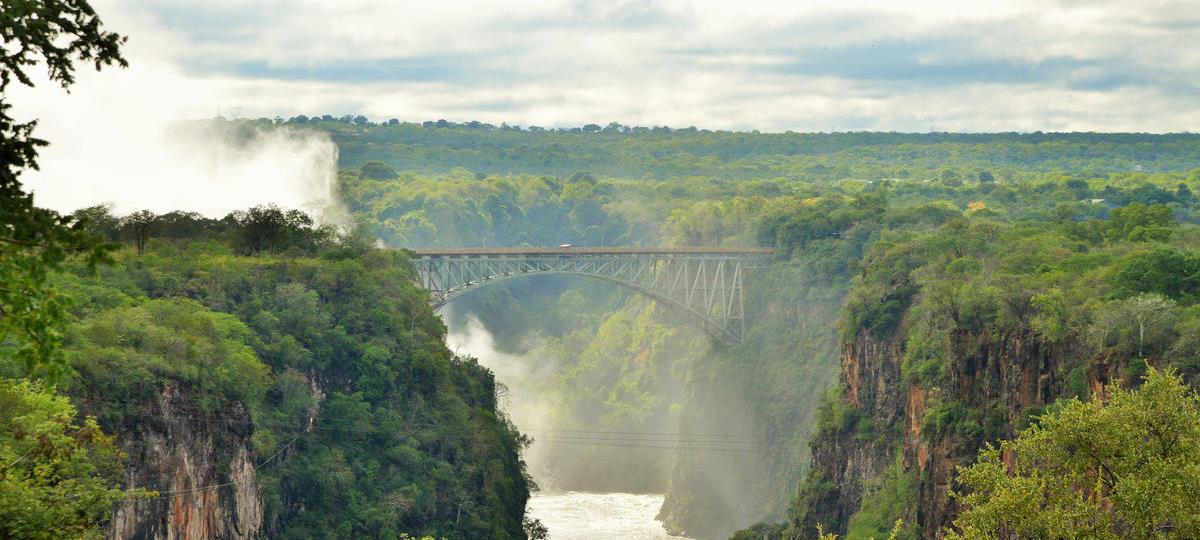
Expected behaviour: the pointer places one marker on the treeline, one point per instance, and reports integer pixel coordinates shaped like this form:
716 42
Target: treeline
265 228
660 153
459 208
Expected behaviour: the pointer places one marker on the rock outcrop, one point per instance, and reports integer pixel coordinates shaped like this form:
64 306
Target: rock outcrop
202 467
991 383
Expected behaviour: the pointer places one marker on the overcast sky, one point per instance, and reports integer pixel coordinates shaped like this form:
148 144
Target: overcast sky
773 66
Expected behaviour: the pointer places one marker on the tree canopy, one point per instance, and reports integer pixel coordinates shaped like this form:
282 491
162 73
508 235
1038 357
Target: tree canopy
1124 465
59 477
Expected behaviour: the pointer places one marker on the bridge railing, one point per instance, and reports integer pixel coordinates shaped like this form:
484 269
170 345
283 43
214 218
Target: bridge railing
528 251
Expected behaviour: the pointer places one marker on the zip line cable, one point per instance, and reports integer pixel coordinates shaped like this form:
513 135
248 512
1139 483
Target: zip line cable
638 440
556 433
231 483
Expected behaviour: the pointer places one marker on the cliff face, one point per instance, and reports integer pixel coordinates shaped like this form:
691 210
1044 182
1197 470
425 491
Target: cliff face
990 383
202 467
844 462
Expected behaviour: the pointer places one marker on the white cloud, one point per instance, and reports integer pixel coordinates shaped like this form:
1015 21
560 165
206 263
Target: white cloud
857 64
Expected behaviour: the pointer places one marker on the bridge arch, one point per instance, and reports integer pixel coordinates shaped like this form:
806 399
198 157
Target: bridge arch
704 283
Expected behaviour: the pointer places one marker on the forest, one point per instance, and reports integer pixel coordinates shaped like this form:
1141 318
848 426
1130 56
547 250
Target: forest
332 362
975 335
321 360
982 335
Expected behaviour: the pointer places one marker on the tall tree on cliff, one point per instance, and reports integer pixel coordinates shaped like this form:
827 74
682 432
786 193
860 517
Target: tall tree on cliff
1125 467
35 241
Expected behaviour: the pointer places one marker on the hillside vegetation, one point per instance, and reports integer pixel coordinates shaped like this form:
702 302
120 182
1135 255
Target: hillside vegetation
313 354
960 285
911 238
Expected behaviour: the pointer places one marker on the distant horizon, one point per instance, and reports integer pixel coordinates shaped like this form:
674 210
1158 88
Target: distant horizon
570 128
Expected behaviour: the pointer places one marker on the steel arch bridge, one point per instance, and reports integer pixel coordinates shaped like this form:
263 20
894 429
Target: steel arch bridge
703 282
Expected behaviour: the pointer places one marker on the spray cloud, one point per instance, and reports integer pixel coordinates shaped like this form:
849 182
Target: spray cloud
118 137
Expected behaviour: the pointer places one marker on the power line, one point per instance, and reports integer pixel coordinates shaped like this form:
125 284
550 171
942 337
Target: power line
638 440
230 483
662 436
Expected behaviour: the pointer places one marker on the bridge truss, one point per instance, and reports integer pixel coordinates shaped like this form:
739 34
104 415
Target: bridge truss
703 282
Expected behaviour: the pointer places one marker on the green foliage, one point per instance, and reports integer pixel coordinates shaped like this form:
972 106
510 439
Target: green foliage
269 228
760 531
835 416
968 427
377 170
1051 318
119 352
60 475
1141 325
1140 223
925 353
1075 384
950 159
885 506
893 534
1124 467
34 241
1164 271
405 437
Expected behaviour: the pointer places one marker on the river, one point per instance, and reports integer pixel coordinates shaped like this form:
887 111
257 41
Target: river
596 516
571 515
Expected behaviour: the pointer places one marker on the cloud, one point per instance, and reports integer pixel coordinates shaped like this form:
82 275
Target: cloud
772 66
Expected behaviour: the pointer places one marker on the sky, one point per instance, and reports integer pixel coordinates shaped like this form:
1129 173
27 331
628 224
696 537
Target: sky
846 65
1061 65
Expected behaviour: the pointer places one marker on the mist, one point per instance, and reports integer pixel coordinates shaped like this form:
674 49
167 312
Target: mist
123 137
582 443
523 386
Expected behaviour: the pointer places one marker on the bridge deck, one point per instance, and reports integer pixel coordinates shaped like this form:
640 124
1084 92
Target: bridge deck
526 251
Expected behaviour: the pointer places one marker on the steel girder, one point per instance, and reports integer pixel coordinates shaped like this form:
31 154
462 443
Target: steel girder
707 286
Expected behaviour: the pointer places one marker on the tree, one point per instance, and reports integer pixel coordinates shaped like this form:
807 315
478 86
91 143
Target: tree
1125 467
99 220
377 170
139 226
1144 315
1164 271
35 241
59 477
1138 222
269 228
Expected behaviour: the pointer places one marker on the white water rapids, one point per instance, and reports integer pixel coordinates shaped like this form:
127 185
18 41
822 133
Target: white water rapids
596 516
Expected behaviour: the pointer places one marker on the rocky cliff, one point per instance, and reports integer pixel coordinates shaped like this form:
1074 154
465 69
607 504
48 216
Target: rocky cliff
991 384
202 467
